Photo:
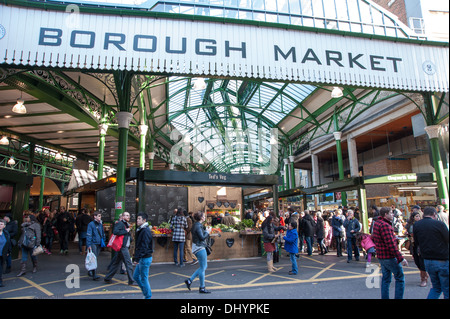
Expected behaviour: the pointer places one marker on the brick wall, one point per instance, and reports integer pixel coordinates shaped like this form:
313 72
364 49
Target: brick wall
398 8
385 167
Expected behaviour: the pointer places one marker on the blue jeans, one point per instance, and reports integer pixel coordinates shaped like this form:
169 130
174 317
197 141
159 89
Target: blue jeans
388 267
28 251
294 263
309 243
140 275
178 245
438 272
200 272
351 243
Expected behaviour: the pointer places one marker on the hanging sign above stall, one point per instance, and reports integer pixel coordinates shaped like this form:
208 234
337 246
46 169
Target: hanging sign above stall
196 46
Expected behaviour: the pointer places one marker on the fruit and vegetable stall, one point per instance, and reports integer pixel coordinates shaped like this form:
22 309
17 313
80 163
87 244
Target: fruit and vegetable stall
234 241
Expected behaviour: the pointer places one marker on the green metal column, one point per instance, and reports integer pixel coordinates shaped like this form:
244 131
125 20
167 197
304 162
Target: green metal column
433 118
142 147
122 81
337 137
41 193
362 204
275 200
433 134
103 128
151 155
287 184
26 201
291 167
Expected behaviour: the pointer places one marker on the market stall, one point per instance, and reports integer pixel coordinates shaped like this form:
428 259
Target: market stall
227 244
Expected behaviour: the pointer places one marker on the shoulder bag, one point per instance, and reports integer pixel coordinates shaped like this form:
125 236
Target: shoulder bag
115 242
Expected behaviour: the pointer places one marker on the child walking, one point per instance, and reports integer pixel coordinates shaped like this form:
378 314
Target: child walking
291 246
368 245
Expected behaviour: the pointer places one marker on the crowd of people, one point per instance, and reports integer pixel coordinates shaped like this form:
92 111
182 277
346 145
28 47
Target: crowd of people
388 234
424 234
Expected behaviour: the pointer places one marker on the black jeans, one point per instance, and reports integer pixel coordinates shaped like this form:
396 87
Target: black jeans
338 245
64 239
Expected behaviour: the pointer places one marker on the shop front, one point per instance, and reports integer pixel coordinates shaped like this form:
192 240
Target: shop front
402 191
158 193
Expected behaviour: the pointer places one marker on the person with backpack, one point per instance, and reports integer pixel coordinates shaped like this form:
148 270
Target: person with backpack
30 238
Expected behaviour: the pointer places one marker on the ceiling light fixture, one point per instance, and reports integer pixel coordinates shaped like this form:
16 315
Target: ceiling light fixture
4 141
337 92
19 107
11 161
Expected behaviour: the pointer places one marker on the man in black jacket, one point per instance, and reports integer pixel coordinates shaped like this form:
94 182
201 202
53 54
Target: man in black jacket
309 228
122 228
143 255
431 236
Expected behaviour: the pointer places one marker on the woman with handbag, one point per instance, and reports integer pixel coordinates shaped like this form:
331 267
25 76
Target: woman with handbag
269 239
199 237
30 238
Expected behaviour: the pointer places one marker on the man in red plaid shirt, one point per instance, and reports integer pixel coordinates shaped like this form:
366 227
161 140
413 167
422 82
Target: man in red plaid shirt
389 256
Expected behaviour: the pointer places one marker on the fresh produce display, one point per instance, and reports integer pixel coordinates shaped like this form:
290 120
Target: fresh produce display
216 230
225 228
163 229
246 223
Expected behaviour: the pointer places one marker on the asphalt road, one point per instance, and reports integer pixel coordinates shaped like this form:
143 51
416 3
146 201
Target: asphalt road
320 277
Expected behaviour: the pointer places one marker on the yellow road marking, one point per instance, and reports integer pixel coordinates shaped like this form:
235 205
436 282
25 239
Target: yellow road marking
208 275
321 272
309 258
35 285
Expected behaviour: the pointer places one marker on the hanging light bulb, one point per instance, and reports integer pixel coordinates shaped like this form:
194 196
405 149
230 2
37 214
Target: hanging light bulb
58 156
11 161
199 84
4 141
19 107
337 92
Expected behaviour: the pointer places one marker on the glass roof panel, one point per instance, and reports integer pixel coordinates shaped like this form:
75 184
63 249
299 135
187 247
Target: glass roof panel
356 15
231 137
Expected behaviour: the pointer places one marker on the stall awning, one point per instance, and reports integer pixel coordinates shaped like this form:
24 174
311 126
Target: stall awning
81 177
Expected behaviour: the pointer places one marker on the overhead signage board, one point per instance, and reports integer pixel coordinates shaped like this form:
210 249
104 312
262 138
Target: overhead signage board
400 178
100 41
201 178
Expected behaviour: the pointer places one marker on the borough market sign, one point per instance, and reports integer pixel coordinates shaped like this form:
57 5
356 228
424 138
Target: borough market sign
153 44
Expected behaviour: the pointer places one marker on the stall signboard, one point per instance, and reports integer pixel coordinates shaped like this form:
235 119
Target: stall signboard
399 178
